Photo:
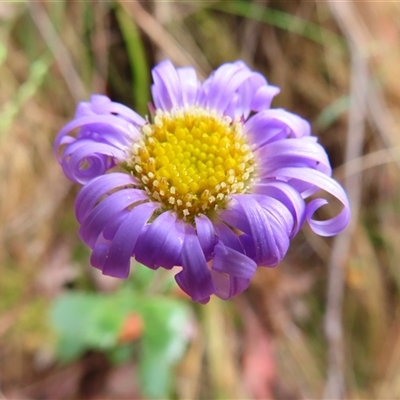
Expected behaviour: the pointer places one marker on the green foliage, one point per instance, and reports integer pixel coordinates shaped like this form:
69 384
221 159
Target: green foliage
163 343
93 321
280 19
137 61
330 114
27 90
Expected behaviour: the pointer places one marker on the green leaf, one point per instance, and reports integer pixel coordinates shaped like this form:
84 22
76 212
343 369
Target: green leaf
88 321
69 349
69 317
93 321
122 353
164 342
141 276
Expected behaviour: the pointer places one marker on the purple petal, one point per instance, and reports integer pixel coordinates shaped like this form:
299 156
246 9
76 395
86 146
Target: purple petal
219 88
278 211
91 193
86 108
330 227
166 89
102 105
268 244
243 98
227 236
235 90
105 212
293 152
111 107
84 160
206 235
276 124
231 262
119 134
99 254
117 261
234 216
161 243
288 196
234 108
334 225
263 97
228 286
174 87
106 122
114 223
249 248
189 85
195 278
100 144
254 95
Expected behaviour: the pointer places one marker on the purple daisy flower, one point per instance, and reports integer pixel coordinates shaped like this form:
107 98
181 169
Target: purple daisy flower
215 181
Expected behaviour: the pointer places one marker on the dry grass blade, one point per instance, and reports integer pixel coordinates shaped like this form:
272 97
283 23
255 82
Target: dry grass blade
365 162
64 62
347 17
383 121
100 45
159 35
220 345
171 16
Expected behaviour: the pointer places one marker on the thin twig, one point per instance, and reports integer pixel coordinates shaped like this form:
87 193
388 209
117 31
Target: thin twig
159 35
335 387
368 161
100 46
346 16
383 121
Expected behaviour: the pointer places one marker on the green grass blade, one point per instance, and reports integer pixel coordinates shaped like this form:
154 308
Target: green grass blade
137 61
37 74
280 19
3 53
332 113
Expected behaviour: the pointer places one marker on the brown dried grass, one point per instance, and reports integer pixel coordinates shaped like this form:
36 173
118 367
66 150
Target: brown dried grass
37 224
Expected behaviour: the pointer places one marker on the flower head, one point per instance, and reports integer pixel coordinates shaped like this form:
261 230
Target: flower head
215 181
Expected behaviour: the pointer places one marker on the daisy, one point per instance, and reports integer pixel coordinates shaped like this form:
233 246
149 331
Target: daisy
214 181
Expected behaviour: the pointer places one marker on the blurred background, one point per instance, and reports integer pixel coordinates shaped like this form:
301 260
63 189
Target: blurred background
323 324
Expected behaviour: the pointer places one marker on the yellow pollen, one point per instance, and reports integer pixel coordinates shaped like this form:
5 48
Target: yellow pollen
190 160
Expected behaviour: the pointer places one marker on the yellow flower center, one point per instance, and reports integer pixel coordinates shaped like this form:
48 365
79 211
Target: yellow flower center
190 160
